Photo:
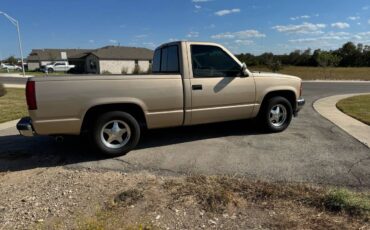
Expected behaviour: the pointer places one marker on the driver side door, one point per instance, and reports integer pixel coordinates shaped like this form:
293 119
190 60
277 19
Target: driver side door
220 92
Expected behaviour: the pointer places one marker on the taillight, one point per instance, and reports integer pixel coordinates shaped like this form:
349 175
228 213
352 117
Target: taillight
31 95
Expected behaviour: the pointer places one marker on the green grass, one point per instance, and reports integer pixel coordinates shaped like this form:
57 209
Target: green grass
342 200
13 105
357 107
316 73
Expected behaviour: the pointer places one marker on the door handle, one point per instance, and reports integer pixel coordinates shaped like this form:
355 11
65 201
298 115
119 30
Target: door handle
197 87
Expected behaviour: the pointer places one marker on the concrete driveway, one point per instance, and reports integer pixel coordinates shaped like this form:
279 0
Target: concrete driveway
312 150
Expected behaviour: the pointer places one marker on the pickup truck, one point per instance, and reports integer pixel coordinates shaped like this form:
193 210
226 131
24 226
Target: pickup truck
192 83
61 66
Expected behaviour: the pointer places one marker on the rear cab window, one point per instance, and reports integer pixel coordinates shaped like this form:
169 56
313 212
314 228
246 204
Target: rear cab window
166 60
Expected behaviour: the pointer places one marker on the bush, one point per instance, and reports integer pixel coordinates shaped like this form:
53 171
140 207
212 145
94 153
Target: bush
124 70
106 72
136 70
2 90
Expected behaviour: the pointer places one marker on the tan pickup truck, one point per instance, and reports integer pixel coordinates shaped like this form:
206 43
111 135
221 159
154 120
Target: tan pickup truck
192 83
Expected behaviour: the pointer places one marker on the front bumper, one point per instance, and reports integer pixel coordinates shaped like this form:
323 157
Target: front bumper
25 128
300 104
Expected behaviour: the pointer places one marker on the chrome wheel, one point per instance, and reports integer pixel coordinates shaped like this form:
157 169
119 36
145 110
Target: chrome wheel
115 134
278 115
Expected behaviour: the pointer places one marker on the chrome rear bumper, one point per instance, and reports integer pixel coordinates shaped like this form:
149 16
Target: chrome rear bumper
25 128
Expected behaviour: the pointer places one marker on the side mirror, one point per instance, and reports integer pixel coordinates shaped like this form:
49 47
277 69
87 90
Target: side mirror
244 70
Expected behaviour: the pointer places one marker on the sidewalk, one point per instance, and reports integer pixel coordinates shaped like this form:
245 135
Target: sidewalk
327 108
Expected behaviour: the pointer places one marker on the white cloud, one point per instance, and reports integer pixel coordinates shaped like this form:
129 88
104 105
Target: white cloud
193 34
354 18
368 21
300 17
113 41
141 36
226 12
91 41
365 7
149 44
197 1
305 28
244 42
197 7
340 25
240 35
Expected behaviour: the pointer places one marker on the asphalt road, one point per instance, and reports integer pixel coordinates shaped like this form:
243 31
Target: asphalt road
312 150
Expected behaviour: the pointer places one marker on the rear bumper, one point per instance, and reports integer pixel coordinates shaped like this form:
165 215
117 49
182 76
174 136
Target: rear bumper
25 128
300 104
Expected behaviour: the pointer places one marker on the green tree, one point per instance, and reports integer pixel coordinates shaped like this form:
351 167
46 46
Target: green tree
327 59
11 60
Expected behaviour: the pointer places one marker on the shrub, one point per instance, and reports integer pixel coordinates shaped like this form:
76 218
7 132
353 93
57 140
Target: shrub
124 70
2 90
106 72
136 70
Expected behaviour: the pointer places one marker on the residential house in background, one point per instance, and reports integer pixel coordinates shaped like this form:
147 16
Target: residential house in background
109 59
118 60
40 57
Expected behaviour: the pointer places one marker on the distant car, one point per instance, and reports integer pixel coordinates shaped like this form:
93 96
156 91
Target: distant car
62 66
11 67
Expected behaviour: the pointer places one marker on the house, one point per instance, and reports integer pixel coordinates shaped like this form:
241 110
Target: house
119 60
109 59
40 57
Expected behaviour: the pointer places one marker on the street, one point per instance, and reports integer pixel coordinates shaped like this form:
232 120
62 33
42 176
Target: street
312 150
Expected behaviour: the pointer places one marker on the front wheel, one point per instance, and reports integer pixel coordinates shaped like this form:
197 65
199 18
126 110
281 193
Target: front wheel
276 114
116 133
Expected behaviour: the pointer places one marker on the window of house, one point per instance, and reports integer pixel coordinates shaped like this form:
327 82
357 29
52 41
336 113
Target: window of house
212 61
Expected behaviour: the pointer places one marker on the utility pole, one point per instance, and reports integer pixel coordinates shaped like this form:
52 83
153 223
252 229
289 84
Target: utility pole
16 24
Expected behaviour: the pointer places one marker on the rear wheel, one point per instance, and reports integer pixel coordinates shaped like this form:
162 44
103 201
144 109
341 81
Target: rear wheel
50 70
116 133
276 114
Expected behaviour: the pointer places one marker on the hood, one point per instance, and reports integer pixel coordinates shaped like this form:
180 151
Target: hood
268 74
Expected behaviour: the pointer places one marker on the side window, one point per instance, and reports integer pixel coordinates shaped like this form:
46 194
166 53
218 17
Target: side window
212 61
157 61
166 60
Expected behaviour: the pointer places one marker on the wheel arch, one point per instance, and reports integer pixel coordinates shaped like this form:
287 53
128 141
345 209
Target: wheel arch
92 113
287 94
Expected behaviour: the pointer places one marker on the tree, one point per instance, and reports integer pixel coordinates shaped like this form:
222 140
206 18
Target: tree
11 60
327 59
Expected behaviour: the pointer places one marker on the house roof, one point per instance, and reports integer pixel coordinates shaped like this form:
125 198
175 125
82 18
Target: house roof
123 53
55 54
105 53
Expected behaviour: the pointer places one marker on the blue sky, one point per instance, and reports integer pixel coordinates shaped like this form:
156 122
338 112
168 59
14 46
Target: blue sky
254 26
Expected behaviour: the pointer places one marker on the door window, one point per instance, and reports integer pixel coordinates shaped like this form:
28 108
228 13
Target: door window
212 61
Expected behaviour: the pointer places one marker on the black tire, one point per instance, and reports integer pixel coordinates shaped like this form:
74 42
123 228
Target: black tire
101 143
50 70
266 116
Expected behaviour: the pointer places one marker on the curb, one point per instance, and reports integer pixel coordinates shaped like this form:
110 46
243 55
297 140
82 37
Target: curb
9 124
15 86
327 108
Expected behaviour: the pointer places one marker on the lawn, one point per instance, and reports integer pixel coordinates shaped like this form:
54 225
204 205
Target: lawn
13 105
357 107
316 73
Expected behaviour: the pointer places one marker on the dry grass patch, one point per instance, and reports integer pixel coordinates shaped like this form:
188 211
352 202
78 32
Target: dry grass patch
357 107
13 105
